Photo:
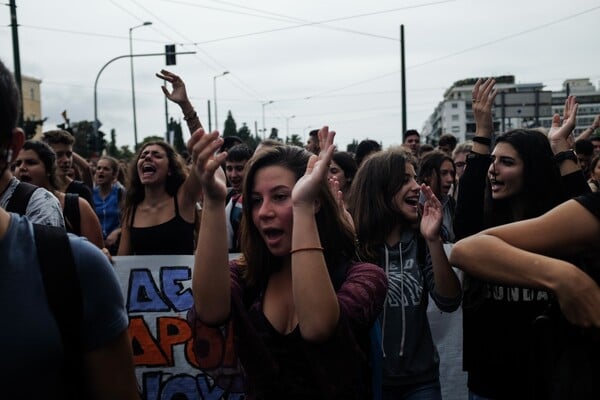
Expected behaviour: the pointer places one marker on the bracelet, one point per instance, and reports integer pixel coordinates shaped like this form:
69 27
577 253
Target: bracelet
191 116
306 249
482 140
565 155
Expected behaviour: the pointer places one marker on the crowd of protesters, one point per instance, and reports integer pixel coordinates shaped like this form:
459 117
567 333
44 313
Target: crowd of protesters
338 252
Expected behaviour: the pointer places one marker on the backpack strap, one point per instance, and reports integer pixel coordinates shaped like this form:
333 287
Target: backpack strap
63 293
72 214
20 198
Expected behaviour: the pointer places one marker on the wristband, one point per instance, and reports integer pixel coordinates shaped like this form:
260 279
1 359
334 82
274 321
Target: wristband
482 140
565 155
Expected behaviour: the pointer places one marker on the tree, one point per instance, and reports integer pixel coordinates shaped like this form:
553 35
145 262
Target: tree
274 134
112 145
30 126
230 127
244 132
177 132
148 139
294 140
351 148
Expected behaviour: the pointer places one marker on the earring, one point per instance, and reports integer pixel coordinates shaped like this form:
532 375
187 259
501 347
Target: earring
9 154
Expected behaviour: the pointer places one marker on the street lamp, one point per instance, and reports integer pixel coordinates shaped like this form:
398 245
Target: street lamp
263 116
287 124
132 80
215 96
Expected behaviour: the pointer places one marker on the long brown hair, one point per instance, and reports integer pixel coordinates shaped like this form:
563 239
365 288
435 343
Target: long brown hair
175 178
371 201
337 237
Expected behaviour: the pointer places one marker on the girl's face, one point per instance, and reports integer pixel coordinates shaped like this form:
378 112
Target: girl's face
406 199
30 169
335 171
271 204
104 174
442 186
460 161
506 172
153 165
596 172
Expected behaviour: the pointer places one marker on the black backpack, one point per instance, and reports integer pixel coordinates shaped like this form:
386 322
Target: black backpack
63 293
20 198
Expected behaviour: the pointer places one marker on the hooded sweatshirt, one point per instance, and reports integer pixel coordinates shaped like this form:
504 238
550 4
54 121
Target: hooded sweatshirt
409 354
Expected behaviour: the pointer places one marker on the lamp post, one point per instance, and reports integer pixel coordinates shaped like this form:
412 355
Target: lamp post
266 103
135 140
287 124
215 96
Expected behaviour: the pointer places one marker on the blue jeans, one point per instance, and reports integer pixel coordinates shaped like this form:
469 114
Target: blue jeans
473 396
421 391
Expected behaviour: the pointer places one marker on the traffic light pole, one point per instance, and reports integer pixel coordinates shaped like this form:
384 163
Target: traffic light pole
96 123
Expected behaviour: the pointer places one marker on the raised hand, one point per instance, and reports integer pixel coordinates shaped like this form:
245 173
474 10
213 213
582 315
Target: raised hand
432 215
334 186
179 94
207 165
484 94
561 130
306 190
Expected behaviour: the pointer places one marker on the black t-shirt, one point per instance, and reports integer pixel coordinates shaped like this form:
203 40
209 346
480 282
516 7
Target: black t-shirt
80 188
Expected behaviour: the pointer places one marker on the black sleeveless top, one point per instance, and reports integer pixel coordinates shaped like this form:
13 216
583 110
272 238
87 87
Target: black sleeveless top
175 236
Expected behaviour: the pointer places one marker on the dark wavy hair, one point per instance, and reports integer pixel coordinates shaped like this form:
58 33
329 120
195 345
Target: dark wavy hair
335 233
347 164
542 185
10 104
47 157
371 201
432 162
175 178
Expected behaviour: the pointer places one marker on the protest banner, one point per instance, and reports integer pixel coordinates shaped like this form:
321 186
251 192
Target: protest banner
158 294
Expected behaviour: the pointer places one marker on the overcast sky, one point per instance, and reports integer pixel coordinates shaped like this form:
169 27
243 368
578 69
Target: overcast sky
320 62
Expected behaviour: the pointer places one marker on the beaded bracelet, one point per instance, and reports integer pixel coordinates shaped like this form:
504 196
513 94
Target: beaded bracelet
306 249
191 116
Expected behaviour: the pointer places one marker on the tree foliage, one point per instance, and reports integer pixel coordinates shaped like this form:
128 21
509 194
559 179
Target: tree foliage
230 126
294 140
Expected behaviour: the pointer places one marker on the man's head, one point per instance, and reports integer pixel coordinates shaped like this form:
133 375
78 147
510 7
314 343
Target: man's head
412 140
585 152
11 137
312 144
596 142
235 163
62 143
447 143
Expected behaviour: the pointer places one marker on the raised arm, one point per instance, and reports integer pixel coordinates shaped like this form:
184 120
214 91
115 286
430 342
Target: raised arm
446 282
315 299
590 129
211 279
559 134
179 96
523 253
483 94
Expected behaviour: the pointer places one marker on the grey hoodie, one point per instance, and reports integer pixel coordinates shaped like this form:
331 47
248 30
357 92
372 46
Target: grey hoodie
409 354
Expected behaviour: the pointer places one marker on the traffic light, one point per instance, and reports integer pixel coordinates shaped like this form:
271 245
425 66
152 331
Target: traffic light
170 50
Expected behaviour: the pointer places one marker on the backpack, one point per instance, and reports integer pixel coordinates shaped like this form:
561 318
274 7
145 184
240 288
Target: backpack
63 293
19 200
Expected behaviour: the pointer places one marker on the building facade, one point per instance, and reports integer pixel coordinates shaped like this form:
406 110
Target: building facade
32 101
517 105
